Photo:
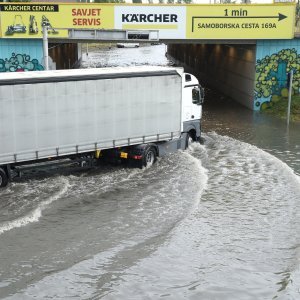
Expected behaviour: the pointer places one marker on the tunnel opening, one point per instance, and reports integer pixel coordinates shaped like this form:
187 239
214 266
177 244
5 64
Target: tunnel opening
64 55
228 69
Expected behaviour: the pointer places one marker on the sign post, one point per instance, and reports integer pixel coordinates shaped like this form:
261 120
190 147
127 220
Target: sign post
45 46
290 96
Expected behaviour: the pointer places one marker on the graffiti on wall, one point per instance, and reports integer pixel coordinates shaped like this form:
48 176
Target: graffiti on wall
19 63
271 81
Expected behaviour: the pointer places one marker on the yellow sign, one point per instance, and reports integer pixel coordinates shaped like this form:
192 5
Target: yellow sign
240 21
19 20
226 21
284 1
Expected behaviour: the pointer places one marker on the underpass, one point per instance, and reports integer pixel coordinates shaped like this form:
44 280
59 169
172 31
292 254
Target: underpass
227 68
244 51
215 217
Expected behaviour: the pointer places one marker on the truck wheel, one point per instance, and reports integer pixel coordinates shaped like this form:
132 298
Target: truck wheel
3 178
189 140
149 157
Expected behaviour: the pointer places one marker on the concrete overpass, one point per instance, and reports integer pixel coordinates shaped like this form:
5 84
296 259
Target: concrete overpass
244 50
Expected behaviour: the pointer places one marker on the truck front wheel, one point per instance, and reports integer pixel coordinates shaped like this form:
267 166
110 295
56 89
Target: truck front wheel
149 157
189 140
3 178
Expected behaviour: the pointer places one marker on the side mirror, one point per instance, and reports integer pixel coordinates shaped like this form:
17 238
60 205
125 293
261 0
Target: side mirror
197 95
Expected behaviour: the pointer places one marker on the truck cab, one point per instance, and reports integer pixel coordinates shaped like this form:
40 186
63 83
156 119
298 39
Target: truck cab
192 100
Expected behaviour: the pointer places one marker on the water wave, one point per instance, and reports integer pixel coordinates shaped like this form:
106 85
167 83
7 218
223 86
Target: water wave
202 172
251 153
35 214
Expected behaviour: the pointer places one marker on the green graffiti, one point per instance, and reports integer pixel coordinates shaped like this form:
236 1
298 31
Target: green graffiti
271 77
20 63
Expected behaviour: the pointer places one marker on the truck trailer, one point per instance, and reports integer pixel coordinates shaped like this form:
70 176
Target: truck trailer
82 115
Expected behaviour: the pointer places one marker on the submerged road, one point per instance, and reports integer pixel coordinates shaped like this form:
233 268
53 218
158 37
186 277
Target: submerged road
217 221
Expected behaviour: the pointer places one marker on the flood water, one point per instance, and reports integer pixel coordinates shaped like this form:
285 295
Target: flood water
220 220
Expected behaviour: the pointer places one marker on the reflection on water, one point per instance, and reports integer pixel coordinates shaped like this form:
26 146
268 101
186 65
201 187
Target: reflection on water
229 118
217 221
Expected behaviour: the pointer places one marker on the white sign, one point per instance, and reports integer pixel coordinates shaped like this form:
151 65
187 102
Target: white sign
169 20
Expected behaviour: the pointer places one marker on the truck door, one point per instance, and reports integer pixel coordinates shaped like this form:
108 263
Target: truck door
190 111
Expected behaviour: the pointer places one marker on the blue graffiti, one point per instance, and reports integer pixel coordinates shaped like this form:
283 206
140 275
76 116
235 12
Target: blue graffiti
281 77
20 63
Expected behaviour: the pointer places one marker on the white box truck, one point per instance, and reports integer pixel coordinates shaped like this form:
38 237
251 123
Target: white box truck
132 113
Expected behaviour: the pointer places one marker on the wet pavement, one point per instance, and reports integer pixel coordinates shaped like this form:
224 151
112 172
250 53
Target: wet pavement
217 221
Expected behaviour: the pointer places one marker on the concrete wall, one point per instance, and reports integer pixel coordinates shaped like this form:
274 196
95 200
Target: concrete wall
20 55
227 68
